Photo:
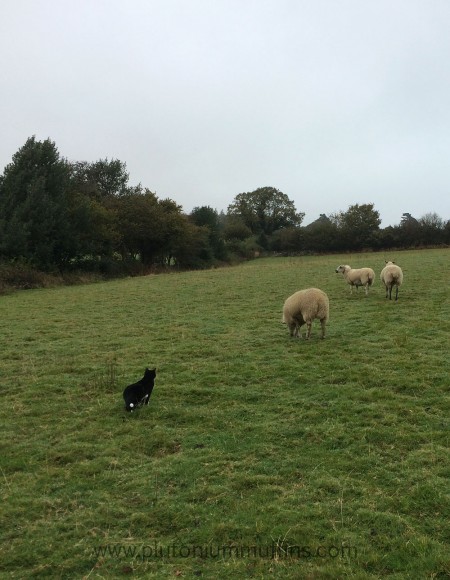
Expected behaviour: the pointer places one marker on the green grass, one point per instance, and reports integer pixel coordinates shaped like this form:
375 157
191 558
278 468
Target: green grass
254 444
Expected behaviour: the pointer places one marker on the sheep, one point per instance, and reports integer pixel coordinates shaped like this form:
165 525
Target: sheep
391 275
360 277
303 307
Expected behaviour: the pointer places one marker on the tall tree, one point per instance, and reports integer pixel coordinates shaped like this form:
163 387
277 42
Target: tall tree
102 179
358 226
190 248
432 229
207 217
265 210
140 221
320 235
155 231
409 231
34 222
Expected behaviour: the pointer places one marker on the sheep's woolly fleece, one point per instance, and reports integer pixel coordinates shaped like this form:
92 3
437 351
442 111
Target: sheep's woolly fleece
303 307
391 275
357 277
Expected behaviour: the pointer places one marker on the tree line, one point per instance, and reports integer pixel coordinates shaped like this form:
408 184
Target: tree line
57 215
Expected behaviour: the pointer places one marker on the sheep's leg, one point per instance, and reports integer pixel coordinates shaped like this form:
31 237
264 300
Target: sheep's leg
396 293
300 324
390 292
322 324
366 289
308 330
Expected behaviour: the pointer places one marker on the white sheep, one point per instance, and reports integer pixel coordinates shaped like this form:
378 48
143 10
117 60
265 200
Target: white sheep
359 277
303 307
391 275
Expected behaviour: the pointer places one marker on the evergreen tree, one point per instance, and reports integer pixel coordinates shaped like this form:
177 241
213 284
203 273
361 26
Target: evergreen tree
34 220
409 231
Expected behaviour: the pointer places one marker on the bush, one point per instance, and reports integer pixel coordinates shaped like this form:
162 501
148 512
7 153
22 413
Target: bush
20 276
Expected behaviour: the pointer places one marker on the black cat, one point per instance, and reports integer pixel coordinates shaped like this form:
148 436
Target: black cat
139 393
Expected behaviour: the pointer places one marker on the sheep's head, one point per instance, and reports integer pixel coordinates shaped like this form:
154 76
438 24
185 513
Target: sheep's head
342 269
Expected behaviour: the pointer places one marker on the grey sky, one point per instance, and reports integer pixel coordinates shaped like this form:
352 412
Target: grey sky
334 102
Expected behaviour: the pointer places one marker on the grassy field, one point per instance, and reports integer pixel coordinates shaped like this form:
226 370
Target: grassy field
259 456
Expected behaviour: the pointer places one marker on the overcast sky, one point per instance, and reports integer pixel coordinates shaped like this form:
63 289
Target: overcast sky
333 102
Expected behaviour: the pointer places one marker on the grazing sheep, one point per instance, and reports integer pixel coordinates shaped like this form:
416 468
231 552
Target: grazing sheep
360 277
303 307
391 275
